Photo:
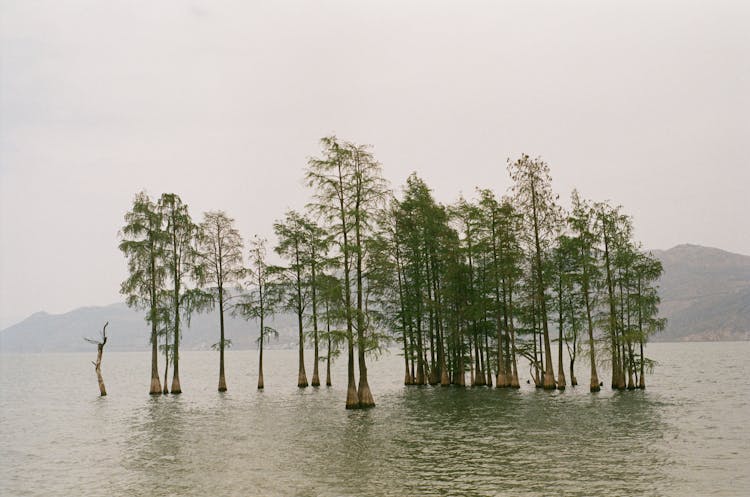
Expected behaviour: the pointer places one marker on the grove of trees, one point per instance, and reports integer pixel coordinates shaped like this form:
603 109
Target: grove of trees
462 289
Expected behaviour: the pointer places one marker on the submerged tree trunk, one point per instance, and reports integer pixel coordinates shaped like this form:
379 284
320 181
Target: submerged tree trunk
594 384
460 379
260 344
176 389
155 388
313 284
328 350
166 367
502 379
573 379
514 383
260 366
560 367
328 364
549 374
301 376
98 368
222 379
408 378
98 363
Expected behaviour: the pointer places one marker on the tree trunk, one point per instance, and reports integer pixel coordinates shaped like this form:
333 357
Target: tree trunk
260 343
460 373
155 383
260 365
328 364
328 350
98 367
631 382
301 376
501 380
487 367
316 377
573 379
408 378
594 384
166 367
618 381
549 374
176 389
222 379
560 368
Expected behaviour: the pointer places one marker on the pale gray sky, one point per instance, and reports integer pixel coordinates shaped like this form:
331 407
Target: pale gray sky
644 103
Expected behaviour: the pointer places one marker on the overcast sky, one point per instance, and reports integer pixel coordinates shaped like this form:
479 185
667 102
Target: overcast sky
643 103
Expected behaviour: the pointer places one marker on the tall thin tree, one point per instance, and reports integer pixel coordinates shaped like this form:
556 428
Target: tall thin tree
142 241
219 266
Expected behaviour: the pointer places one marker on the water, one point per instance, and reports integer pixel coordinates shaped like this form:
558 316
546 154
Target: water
685 435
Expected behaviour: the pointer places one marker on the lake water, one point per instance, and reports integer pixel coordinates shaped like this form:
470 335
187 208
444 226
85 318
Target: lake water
687 434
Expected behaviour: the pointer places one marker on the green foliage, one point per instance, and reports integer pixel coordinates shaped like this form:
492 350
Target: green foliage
225 344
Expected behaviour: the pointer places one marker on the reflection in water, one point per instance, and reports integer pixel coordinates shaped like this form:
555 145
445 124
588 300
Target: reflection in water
154 449
417 441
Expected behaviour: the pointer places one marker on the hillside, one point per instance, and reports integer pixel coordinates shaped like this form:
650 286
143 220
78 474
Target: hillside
127 330
705 296
705 293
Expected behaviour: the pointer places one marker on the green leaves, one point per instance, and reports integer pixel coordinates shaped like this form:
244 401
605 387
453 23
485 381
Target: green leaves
218 255
225 344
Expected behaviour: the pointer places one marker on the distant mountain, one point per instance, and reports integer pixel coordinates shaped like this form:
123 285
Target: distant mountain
705 294
127 330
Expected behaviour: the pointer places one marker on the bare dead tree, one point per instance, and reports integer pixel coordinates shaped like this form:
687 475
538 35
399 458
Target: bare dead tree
98 363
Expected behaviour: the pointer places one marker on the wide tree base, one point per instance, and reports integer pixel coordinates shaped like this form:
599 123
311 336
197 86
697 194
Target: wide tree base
302 380
352 400
549 381
176 390
365 396
155 387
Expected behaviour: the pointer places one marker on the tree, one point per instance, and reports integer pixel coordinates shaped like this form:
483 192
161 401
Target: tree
536 201
564 255
142 241
317 244
330 177
331 298
165 329
178 256
349 188
292 233
468 220
259 303
98 364
368 191
647 271
587 273
219 263
614 229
